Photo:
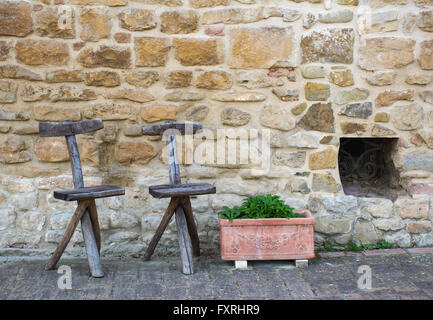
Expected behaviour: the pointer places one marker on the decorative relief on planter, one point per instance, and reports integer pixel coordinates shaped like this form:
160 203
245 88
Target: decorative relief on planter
268 239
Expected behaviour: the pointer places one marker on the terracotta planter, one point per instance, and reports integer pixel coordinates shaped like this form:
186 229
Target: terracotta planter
268 239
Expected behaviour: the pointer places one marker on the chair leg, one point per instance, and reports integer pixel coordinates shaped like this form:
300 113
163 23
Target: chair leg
95 224
91 247
82 206
184 241
192 227
174 202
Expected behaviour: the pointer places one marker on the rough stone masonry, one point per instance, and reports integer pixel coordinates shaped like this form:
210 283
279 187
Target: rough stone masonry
309 75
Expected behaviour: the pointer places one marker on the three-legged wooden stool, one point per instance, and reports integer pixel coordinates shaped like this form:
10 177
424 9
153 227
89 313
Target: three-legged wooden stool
180 203
86 209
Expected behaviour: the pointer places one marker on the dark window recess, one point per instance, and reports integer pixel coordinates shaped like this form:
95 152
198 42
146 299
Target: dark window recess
366 167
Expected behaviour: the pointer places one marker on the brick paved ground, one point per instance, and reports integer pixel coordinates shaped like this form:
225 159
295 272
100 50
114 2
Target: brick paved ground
396 274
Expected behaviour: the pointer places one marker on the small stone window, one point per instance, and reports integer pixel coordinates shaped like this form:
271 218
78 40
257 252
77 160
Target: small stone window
366 167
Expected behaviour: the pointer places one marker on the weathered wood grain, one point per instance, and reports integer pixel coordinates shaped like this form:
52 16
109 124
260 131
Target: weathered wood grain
192 227
86 223
95 223
69 128
173 165
181 190
174 203
82 206
93 192
178 127
184 241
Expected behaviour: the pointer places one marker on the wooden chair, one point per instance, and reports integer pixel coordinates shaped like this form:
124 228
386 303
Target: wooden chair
86 209
180 203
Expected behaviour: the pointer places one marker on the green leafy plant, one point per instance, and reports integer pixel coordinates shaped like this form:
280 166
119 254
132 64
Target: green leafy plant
383 245
328 247
259 207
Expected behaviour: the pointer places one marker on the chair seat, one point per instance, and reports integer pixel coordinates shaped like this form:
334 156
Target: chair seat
89 193
181 190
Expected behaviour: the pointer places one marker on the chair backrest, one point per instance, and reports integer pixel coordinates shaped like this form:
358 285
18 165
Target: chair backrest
69 129
170 129
173 127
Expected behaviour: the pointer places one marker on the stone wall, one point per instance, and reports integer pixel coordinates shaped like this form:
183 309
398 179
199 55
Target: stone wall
309 72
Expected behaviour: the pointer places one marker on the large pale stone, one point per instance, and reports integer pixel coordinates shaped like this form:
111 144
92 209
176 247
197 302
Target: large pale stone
336 16
427 96
12 71
364 232
419 79
317 91
7 218
32 93
214 80
329 225
8 92
51 150
109 111
355 94
412 208
342 78
179 22
135 19
13 115
357 110
425 21
105 56
208 3
158 112
50 113
418 160
142 79
179 95
408 117
400 238
329 45
326 159
393 224
136 95
234 96
133 152
260 47
324 182
257 79
48 23
313 72
42 52
63 75
285 94
376 207
110 3
381 78
198 51
276 117
198 113
96 23
319 117
388 97
386 52
151 51
177 79
293 159
12 150
102 78
235 117
15 18
425 58
378 22
69 93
